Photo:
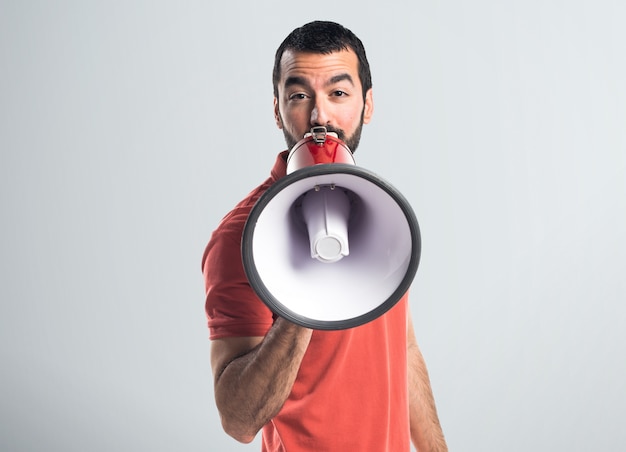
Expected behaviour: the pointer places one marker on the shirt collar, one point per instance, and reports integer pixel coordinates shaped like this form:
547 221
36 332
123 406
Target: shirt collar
280 166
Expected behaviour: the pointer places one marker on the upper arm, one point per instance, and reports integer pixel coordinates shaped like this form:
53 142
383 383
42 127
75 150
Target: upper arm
426 432
224 351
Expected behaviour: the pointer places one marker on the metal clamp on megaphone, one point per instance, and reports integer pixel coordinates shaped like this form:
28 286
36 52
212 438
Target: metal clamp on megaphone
330 245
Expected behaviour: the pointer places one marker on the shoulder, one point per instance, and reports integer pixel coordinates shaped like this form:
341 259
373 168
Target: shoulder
232 224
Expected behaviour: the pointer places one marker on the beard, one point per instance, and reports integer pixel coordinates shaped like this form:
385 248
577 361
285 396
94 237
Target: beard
352 142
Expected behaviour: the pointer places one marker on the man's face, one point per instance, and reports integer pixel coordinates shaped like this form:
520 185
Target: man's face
321 90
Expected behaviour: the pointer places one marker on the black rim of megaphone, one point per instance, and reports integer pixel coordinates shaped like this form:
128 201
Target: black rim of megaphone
319 170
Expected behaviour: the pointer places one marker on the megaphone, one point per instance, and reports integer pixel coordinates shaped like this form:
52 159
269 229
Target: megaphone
330 246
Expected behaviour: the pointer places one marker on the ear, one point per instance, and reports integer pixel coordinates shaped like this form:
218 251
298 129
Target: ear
368 109
277 118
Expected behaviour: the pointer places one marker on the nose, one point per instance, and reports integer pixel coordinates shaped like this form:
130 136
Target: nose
319 114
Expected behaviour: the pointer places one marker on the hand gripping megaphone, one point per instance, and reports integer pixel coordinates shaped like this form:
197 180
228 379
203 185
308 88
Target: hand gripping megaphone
331 245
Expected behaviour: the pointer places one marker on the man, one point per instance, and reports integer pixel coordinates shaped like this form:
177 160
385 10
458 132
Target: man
360 389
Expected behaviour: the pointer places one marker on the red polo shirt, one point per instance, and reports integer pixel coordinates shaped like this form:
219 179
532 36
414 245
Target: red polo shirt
351 392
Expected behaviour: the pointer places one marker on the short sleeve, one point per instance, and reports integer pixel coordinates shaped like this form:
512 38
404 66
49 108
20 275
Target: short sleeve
232 307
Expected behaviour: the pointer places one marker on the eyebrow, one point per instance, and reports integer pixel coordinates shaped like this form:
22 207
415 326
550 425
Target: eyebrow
297 80
341 78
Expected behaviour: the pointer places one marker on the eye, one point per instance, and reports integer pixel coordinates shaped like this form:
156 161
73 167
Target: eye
298 96
339 93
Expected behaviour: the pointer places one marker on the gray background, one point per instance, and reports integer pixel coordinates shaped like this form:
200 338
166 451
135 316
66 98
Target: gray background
128 128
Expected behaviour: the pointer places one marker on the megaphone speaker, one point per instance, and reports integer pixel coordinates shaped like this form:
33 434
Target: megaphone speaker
331 245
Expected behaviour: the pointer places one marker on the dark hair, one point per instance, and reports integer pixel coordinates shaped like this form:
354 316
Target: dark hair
323 37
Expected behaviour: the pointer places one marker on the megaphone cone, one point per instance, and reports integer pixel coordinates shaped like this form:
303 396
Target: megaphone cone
330 245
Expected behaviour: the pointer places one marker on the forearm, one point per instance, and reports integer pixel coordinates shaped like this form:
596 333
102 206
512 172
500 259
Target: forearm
252 388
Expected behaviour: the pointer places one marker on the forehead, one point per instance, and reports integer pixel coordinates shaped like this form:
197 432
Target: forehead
319 66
